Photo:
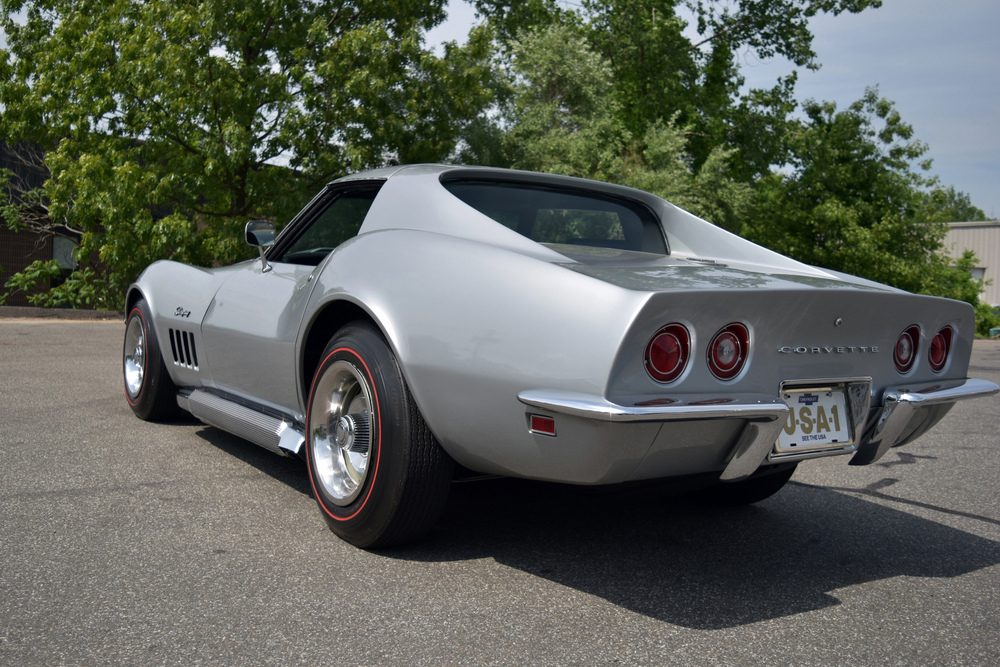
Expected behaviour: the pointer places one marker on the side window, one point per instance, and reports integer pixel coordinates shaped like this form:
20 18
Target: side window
338 222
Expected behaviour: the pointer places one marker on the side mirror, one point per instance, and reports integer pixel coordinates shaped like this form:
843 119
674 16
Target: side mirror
260 235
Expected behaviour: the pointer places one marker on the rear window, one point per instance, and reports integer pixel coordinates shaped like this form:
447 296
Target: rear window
564 216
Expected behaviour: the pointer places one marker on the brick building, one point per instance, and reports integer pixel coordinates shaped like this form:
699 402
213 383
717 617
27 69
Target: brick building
19 250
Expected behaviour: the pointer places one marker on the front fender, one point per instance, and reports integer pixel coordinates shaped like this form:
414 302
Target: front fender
178 296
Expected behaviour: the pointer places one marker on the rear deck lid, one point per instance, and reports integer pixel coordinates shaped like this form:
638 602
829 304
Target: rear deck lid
657 273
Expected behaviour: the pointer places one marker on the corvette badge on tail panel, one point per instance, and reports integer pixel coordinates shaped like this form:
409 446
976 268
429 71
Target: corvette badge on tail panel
414 318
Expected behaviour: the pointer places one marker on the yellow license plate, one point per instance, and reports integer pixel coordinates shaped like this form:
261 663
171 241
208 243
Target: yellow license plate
817 419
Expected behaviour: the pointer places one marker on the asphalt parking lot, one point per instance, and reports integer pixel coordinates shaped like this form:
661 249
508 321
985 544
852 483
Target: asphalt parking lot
133 543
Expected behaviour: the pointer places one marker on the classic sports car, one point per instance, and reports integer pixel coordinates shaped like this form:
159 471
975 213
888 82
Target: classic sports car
417 321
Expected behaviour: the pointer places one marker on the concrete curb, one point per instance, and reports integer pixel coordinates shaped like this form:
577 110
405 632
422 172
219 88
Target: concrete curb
27 312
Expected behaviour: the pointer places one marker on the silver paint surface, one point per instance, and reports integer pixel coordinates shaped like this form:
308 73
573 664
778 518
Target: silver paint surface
478 315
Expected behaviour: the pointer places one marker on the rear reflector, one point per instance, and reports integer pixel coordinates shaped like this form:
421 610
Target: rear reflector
543 425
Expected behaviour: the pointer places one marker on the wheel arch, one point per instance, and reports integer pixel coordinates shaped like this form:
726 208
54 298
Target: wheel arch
132 297
325 323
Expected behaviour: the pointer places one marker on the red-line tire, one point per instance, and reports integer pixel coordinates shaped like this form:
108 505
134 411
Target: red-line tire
149 390
379 476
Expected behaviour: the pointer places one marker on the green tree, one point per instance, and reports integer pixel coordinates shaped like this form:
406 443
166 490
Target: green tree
162 122
844 199
660 73
564 119
946 205
853 198
656 76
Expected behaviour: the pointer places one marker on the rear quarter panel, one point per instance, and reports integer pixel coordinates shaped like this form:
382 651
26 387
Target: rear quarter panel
472 325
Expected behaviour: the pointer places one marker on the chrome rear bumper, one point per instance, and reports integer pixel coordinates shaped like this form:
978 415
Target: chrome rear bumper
904 415
908 413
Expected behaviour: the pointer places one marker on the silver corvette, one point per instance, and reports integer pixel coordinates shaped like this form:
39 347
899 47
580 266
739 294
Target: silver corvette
419 322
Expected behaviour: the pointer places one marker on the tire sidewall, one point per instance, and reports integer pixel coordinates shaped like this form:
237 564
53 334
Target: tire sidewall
362 521
148 404
136 401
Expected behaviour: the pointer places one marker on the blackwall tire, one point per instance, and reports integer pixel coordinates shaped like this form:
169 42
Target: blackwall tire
379 476
749 491
149 390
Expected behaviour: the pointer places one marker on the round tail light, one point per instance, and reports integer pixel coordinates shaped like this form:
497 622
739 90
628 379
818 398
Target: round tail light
937 356
667 353
728 351
905 352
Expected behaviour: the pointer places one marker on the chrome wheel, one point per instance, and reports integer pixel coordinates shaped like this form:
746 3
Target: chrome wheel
341 436
379 475
135 356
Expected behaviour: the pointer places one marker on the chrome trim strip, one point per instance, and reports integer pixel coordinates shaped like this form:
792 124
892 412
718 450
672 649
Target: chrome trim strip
900 405
756 442
589 406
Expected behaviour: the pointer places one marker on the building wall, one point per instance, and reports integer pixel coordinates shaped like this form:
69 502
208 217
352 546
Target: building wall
983 238
19 250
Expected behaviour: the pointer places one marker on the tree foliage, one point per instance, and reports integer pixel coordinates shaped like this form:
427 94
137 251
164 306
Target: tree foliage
564 118
850 199
162 122
844 200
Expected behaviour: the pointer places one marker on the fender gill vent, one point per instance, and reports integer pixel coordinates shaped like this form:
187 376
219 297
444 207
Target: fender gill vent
182 347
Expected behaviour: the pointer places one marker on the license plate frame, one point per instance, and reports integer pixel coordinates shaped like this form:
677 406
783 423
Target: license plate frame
820 418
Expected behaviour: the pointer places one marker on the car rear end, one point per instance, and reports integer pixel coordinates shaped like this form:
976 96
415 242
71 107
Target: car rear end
744 369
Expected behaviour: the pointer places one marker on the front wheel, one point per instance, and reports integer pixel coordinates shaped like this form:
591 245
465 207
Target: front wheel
149 390
379 476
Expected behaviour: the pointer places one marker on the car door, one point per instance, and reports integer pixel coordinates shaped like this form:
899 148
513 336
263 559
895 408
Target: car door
250 328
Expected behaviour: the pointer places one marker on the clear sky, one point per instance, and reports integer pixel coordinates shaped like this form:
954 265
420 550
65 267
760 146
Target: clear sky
938 60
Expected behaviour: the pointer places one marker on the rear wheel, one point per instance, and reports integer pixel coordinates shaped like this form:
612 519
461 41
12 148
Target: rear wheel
149 390
749 491
379 476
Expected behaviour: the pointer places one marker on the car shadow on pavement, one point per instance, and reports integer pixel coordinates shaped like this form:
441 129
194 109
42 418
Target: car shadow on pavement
675 560
692 565
289 470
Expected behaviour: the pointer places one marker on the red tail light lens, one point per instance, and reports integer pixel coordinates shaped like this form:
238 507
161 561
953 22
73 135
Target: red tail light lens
905 352
728 351
937 356
667 353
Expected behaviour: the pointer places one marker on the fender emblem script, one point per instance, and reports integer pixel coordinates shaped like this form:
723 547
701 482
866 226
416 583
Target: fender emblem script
840 349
